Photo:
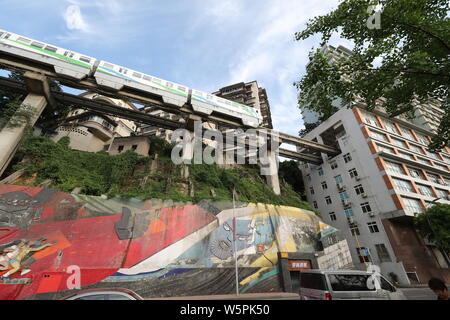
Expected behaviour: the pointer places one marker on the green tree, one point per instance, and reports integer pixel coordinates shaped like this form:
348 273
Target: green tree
10 102
406 60
434 225
289 171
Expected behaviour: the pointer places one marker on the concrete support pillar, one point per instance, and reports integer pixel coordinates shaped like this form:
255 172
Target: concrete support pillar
272 172
11 137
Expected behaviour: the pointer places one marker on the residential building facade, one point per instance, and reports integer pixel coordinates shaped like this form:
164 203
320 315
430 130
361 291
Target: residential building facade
250 94
92 131
383 177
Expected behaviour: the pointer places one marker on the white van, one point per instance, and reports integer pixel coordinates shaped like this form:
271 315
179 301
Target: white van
345 285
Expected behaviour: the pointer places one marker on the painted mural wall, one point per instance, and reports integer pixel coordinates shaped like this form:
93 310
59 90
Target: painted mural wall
156 248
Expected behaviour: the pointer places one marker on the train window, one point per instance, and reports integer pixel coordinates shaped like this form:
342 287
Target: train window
208 96
182 88
169 84
137 75
50 48
147 78
8 35
108 65
122 70
198 93
228 102
157 80
1 33
37 45
85 59
24 40
68 54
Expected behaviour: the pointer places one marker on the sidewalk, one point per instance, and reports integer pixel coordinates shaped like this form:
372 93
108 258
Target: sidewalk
243 296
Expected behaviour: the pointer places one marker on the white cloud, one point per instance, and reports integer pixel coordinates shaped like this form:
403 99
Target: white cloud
74 19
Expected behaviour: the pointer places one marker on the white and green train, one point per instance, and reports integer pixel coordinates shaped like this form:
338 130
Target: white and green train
78 66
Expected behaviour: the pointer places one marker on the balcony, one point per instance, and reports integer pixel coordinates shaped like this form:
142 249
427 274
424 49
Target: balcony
98 126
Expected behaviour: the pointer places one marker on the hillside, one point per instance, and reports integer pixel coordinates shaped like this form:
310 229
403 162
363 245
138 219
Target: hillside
129 175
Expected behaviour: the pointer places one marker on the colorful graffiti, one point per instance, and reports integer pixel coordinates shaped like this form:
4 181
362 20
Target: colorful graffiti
154 247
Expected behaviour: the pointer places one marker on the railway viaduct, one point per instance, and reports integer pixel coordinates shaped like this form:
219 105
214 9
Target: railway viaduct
39 96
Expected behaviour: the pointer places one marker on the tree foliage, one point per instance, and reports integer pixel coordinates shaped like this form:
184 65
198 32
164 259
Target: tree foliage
434 224
11 112
405 61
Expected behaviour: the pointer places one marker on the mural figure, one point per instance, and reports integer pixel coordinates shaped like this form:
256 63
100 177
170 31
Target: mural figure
15 254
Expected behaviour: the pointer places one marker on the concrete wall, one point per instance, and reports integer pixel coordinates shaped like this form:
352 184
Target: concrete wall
142 145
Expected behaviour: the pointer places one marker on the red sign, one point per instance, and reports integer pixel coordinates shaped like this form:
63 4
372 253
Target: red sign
295 265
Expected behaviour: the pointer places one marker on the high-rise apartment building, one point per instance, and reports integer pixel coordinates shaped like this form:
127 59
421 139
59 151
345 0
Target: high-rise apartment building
251 95
383 177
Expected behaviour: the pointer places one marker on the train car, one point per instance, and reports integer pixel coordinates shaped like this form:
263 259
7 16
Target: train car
207 103
64 62
116 77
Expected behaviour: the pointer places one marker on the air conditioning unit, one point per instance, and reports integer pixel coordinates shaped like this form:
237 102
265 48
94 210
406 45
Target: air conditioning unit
363 195
346 203
371 214
341 186
350 220
357 178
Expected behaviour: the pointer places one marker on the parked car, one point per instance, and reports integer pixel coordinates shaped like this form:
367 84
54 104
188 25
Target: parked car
104 294
345 285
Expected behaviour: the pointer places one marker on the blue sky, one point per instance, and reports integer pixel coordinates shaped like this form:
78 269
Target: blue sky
204 44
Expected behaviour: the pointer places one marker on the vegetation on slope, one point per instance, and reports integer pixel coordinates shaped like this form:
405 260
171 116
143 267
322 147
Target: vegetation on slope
131 175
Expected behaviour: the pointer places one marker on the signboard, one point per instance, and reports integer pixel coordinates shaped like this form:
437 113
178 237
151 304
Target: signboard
296 265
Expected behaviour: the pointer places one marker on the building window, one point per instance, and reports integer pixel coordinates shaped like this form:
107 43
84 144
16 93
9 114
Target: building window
320 170
413 206
333 165
311 189
359 189
378 136
394 167
348 212
399 143
385 149
416 173
383 254
308 176
434 178
332 216
365 207
442 193
373 228
338 179
403 185
120 149
347 157
353 173
422 139
324 185
425 190
369 119
363 254
328 200
390 127
343 195
134 147
416 148
354 229
407 133
315 204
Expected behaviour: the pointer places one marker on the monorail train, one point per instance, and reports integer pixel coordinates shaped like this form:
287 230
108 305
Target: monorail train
78 66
